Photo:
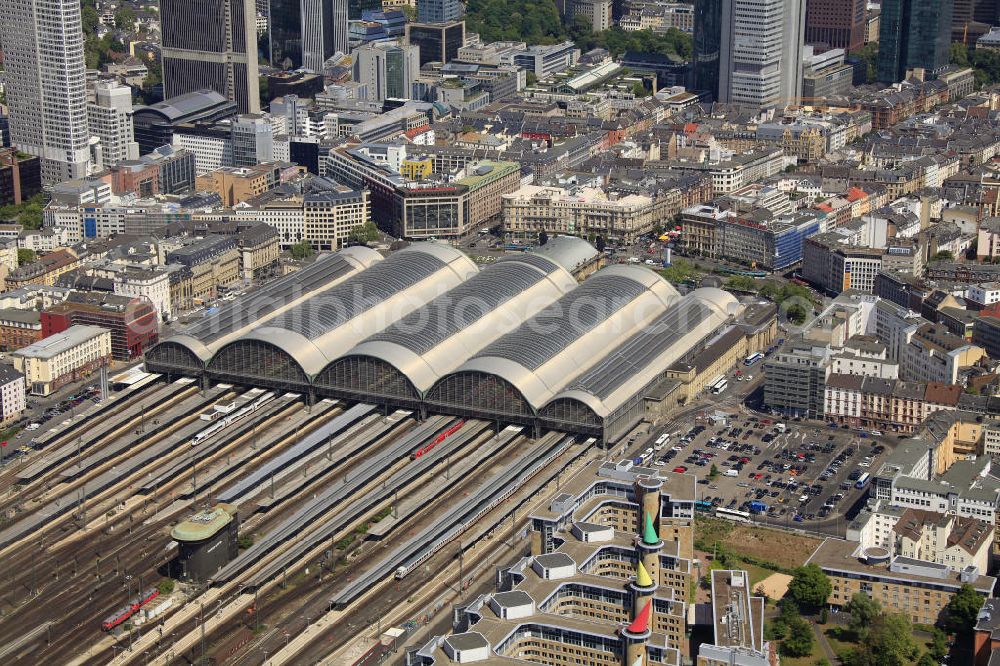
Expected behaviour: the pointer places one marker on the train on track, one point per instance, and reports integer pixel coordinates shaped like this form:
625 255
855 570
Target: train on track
427 448
125 612
231 417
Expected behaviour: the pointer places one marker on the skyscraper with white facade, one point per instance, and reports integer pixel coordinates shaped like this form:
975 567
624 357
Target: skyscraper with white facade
760 58
211 44
388 69
109 118
324 31
46 84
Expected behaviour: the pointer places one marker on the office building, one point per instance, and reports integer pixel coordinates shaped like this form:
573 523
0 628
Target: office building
913 34
132 322
825 75
45 84
109 118
439 11
707 46
760 57
252 140
284 24
324 31
19 328
155 125
837 24
211 44
438 42
20 176
387 69
62 358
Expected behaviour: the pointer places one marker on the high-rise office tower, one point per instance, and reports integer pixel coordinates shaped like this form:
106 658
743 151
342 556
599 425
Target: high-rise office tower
840 24
284 24
707 46
211 44
388 69
109 118
324 31
46 84
760 53
972 18
913 34
438 42
437 11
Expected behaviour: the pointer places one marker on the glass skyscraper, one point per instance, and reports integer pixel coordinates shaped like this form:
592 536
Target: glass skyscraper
913 34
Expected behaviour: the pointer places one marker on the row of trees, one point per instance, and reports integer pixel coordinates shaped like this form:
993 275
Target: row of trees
538 22
882 639
986 63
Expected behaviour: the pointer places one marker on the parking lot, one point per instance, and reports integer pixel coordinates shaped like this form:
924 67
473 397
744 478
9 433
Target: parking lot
770 471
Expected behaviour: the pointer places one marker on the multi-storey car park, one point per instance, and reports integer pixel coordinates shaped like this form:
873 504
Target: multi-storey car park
518 341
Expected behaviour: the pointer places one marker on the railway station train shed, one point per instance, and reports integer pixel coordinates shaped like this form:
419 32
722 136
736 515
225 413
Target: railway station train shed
517 341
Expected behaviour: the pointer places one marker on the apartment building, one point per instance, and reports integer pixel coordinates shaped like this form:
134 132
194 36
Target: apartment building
582 211
12 397
933 354
918 589
19 328
62 358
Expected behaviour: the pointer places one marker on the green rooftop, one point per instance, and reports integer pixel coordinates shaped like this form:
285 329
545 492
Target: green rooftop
486 170
204 524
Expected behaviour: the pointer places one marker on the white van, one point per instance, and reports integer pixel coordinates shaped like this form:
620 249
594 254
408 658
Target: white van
732 472
779 427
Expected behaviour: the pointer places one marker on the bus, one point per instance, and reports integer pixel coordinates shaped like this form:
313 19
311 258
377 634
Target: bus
753 358
719 384
733 514
862 480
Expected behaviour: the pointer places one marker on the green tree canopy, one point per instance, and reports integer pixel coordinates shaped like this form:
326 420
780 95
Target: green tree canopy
125 19
25 256
364 233
799 642
963 609
889 643
301 250
863 610
809 587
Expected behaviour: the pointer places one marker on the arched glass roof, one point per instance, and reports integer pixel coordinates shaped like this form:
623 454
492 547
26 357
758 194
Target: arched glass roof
326 325
437 338
569 336
648 353
210 333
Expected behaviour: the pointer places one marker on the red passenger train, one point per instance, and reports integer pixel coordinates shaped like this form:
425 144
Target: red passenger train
427 448
125 612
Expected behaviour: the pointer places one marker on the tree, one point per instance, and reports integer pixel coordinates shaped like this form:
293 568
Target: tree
927 660
600 244
799 642
244 541
302 250
364 234
166 586
742 283
863 610
963 609
959 54
809 587
25 256
125 19
939 645
889 643
530 78
943 255
796 313
91 19
824 615
543 237
870 55
713 471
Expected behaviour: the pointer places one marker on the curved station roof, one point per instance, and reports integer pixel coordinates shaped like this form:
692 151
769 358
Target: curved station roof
517 340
